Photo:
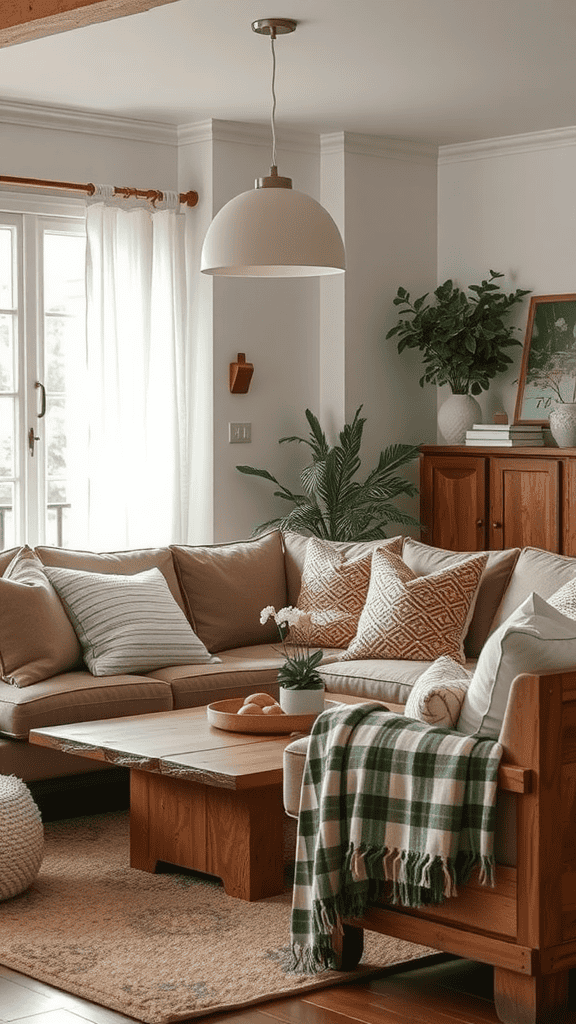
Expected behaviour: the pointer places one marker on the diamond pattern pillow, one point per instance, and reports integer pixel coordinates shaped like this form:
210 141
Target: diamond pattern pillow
416 618
127 623
334 591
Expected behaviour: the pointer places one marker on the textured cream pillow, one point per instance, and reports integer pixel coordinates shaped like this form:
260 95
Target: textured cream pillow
417 618
437 696
334 591
564 600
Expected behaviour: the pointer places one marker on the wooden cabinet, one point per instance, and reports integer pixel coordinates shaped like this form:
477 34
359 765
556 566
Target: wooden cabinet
477 498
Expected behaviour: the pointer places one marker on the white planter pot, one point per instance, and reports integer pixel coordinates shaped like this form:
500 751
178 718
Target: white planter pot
301 702
457 415
563 424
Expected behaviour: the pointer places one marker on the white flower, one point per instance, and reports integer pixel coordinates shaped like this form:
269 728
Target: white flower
561 324
266 613
288 616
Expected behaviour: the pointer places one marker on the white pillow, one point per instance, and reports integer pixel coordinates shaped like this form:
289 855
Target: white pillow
127 623
534 638
437 696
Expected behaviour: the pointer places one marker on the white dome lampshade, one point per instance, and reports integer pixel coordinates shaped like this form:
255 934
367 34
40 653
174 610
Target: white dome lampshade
273 232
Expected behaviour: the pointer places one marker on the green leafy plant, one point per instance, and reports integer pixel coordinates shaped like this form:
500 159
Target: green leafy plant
462 336
334 505
300 669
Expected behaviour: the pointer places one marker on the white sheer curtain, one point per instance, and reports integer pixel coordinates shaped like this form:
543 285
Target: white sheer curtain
138 404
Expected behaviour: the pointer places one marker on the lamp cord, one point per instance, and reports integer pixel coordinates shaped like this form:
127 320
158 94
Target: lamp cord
272 40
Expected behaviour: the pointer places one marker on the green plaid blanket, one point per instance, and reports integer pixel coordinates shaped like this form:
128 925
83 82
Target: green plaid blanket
386 799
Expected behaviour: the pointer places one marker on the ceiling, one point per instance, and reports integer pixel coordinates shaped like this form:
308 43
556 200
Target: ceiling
437 71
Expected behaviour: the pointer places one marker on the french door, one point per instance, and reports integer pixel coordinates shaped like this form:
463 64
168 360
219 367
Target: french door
42 360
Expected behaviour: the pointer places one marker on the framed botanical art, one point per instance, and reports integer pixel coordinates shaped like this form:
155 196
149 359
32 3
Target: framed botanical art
548 371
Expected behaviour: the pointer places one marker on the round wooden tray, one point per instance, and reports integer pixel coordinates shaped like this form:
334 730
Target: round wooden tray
223 715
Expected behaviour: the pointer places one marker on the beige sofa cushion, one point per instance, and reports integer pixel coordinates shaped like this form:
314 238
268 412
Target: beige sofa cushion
296 545
536 570
424 559
226 586
242 671
124 562
36 638
333 591
377 679
78 697
416 617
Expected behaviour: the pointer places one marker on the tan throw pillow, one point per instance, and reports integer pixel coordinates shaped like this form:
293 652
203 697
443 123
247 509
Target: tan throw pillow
226 586
36 637
416 618
334 591
438 695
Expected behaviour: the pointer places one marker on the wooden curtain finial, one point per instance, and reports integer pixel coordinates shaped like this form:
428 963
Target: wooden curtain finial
240 375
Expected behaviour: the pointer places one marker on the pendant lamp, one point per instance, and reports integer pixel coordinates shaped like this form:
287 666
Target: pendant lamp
273 230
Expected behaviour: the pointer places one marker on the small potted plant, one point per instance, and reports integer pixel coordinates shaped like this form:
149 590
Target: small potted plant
462 338
301 685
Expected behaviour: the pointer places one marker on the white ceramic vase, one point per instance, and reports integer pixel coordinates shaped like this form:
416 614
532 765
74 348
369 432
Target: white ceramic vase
457 415
563 424
301 702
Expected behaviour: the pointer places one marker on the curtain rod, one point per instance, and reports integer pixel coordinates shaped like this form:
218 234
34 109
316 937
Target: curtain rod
153 195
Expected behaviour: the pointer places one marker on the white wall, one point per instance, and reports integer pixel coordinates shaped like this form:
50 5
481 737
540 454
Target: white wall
387 203
509 205
86 148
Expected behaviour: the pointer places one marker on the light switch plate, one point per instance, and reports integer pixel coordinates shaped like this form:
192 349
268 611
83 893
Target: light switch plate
239 433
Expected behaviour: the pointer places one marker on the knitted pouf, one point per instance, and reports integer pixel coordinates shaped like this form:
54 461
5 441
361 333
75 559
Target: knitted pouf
21 837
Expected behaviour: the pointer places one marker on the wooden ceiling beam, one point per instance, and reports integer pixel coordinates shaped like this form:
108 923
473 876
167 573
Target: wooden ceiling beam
21 20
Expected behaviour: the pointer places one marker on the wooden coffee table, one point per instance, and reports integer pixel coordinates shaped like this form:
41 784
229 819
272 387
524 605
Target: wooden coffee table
200 797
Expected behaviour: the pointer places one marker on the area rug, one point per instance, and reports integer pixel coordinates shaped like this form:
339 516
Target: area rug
159 948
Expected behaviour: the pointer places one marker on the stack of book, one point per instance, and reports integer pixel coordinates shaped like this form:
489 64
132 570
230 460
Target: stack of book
505 435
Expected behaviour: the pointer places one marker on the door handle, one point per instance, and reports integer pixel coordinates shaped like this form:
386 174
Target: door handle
42 412
32 438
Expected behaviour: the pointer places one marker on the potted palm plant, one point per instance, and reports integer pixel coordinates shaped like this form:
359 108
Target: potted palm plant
333 504
462 338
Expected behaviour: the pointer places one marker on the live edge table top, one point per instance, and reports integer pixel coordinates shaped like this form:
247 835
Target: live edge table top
179 743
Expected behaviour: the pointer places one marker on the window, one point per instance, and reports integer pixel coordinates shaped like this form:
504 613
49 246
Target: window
42 353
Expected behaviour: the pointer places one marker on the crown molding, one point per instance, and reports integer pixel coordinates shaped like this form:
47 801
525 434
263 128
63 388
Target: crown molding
247 134
378 146
32 115
509 145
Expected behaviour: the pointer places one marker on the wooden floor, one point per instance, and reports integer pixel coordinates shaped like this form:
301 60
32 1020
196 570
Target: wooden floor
454 992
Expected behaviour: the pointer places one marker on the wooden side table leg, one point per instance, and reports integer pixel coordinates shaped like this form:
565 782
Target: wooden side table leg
530 999
245 841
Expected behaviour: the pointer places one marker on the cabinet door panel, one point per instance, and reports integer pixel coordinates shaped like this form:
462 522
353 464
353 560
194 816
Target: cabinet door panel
453 502
525 504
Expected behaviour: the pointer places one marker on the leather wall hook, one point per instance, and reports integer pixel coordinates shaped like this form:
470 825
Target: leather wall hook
240 375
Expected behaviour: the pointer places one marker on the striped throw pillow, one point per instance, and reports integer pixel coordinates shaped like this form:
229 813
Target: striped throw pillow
127 623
